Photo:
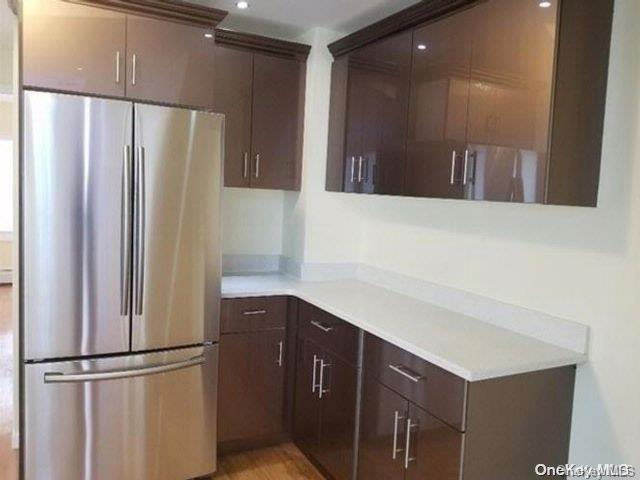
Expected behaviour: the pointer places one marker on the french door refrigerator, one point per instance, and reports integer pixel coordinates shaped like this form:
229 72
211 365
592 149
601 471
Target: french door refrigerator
121 289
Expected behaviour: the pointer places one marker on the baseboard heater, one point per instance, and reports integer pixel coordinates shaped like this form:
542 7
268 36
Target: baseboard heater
6 276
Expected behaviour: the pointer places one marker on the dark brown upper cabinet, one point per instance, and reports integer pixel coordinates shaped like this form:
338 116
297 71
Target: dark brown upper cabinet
73 47
506 102
233 85
438 107
120 53
169 62
259 85
480 103
376 116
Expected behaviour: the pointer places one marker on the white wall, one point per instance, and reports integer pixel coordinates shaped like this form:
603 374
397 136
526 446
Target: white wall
319 226
581 264
252 222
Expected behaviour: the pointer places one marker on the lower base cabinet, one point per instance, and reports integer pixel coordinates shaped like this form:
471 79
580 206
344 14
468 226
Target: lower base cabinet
325 409
399 440
416 420
251 385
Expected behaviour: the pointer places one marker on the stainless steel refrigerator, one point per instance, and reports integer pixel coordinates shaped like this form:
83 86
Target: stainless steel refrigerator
121 288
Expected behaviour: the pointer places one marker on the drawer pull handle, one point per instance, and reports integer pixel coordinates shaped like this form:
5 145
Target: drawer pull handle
321 326
396 450
254 312
406 372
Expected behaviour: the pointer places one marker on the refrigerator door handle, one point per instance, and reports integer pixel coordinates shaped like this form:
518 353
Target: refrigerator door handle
139 237
125 227
57 377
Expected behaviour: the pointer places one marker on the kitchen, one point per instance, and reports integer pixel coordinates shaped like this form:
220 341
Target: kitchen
421 263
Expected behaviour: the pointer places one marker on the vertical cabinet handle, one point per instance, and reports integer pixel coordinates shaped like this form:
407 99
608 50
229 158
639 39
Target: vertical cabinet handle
314 385
396 420
280 353
245 165
407 447
125 226
118 67
454 156
353 169
257 165
466 166
134 61
322 390
360 159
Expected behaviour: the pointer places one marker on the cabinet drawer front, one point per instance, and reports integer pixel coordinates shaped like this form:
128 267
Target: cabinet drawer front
337 336
252 314
439 392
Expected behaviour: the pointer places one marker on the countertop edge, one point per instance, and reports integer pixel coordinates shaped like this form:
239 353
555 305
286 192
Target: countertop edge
573 358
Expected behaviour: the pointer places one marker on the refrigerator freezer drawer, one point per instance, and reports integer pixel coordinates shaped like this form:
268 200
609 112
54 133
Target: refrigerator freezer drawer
136 417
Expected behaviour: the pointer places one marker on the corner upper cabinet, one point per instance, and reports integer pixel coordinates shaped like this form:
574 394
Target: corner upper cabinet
73 47
368 148
233 86
259 85
158 53
169 62
506 102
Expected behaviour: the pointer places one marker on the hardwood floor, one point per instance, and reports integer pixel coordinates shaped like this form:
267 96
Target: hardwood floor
8 456
283 462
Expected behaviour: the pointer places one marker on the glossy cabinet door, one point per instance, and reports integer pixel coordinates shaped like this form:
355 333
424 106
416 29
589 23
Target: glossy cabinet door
169 62
438 107
382 433
306 410
379 80
251 385
278 85
353 134
434 448
233 87
73 48
337 381
510 88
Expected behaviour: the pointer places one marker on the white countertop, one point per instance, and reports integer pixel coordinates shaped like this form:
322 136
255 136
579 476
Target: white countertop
470 348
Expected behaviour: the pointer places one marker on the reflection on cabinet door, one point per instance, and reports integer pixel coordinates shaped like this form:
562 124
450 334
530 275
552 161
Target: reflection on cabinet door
275 136
306 415
382 433
510 100
433 449
232 85
73 48
169 62
353 173
337 381
379 79
438 108
251 385
505 174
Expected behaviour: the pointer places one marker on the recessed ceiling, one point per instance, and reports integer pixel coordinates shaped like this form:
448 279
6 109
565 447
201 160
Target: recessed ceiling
289 19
